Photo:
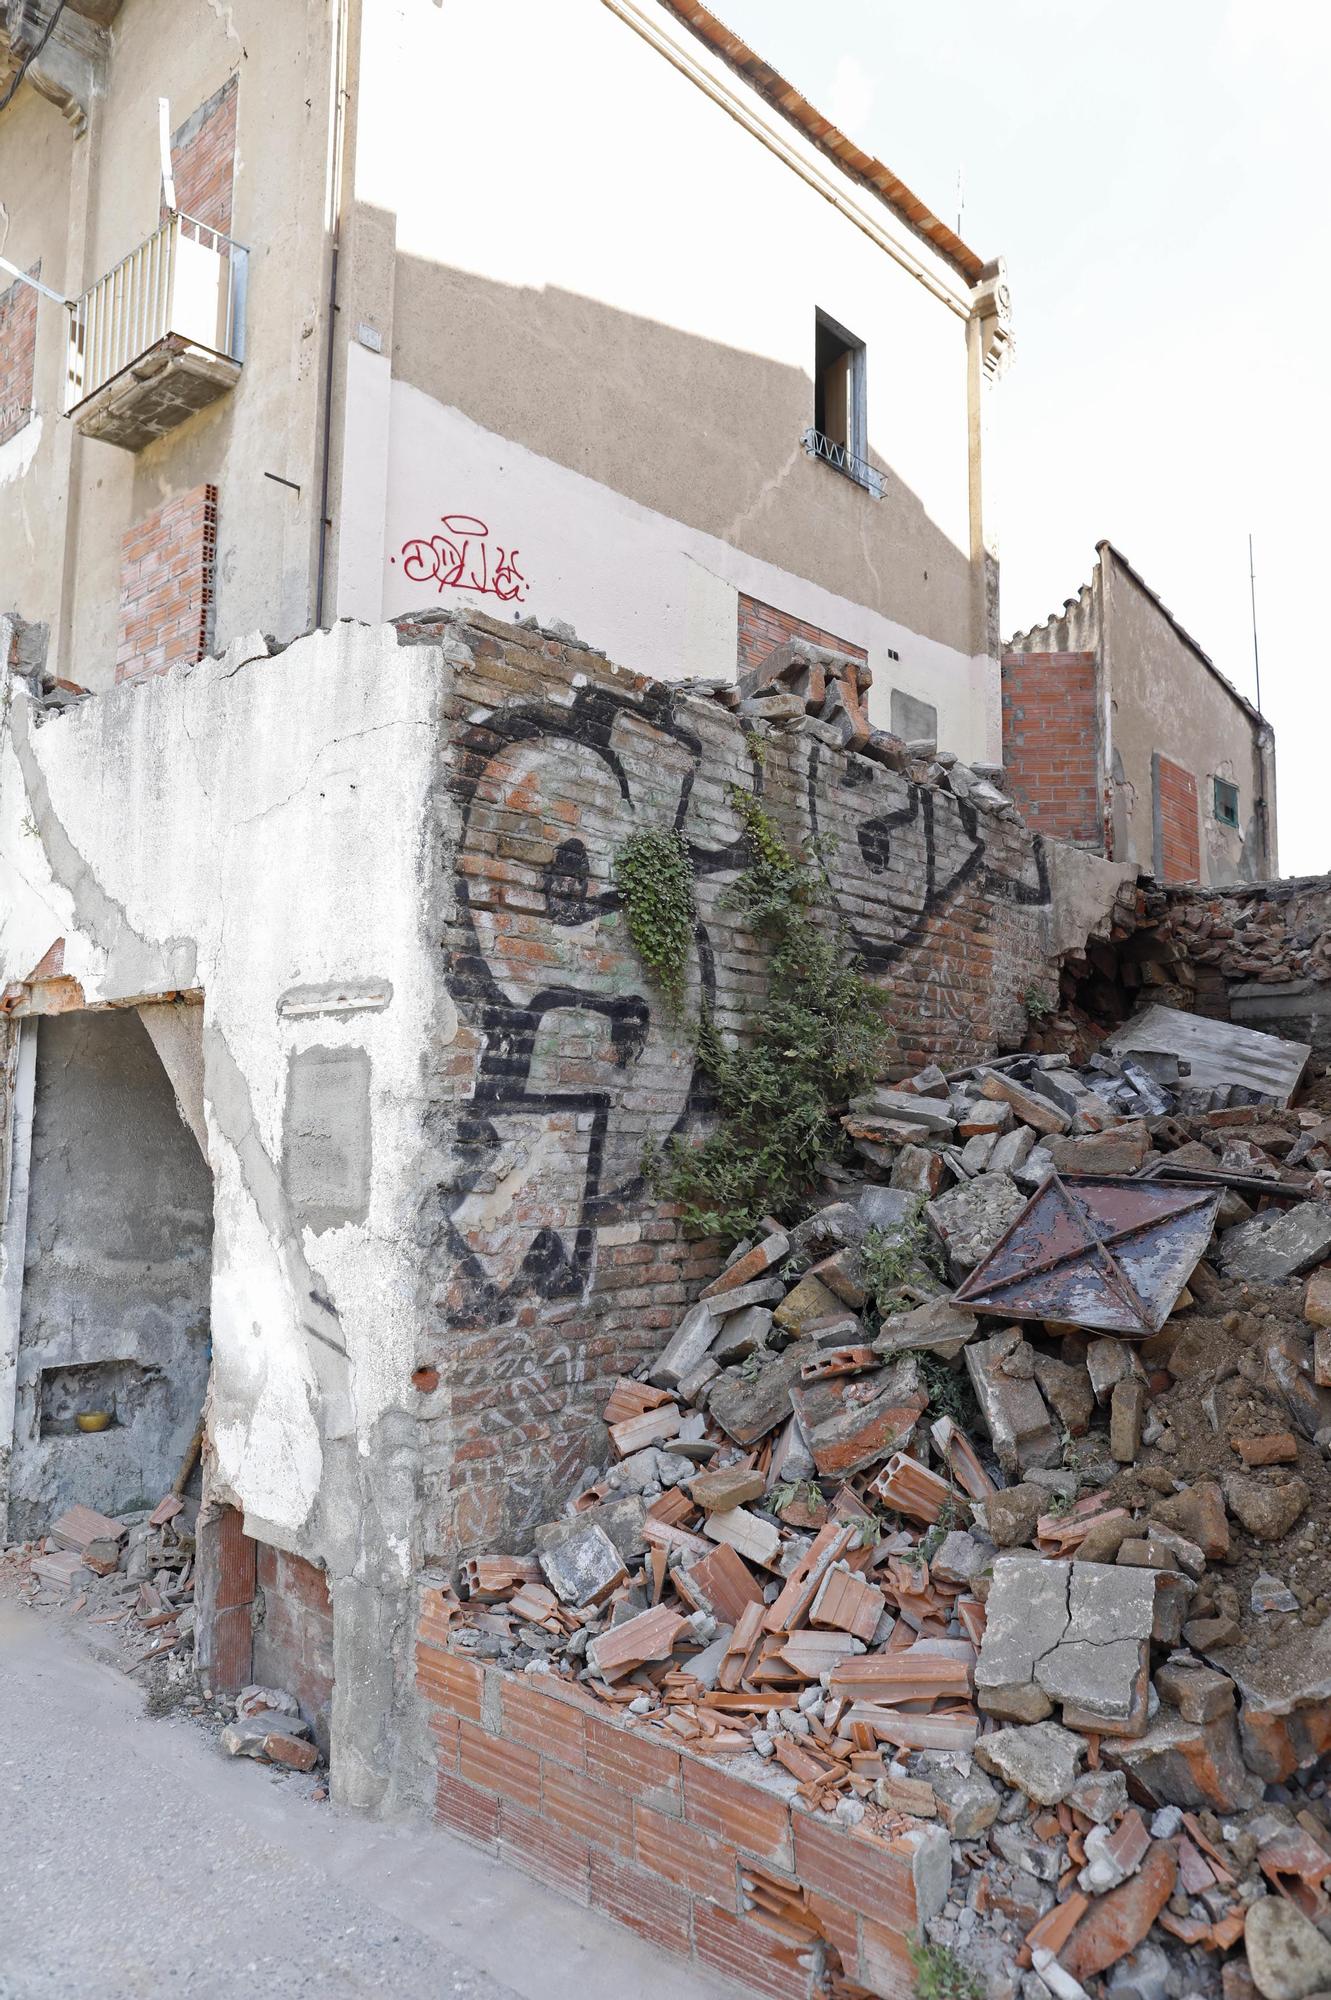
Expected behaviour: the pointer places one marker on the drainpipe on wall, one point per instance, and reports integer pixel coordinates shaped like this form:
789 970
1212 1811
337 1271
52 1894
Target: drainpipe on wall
330 345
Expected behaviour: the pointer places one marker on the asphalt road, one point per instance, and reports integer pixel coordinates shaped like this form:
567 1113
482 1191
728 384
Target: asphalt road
137 1861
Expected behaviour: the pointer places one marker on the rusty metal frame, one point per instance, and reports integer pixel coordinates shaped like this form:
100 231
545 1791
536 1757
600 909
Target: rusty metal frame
1074 1233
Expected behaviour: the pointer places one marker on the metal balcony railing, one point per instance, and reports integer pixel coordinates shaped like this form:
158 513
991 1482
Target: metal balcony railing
845 460
186 280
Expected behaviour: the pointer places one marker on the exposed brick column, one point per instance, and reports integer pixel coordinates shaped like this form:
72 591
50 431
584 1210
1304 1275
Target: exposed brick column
1049 743
224 1592
166 586
762 628
1178 833
203 159
18 351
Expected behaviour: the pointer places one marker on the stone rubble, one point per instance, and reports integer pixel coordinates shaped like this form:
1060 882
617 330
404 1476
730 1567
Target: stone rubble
935 1568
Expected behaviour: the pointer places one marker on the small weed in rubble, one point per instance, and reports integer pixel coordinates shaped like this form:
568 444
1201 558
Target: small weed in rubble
941 1975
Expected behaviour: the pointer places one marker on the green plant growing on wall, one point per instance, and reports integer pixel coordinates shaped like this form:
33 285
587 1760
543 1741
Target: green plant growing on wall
654 877
817 1038
1038 1005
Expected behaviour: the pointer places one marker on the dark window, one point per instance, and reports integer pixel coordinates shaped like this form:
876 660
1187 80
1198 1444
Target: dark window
838 386
839 433
1226 802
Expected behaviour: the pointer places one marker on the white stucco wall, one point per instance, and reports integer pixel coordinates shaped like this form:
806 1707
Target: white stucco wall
252 826
599 319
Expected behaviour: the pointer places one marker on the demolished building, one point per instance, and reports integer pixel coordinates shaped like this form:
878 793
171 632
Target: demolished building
668 1577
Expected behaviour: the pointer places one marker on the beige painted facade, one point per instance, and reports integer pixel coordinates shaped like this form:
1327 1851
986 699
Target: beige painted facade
80 200
580 259
1158 696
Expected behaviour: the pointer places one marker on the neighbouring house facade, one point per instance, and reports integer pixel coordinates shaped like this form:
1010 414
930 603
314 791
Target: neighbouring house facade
1121 735
383 339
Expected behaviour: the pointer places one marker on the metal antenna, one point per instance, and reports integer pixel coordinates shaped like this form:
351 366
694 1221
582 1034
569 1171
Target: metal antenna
961 196
1252 592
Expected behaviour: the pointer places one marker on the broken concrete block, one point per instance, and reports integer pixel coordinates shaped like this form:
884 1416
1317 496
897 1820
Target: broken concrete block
1199 1693
272 1739
1031 1108
1188 1764
1011 1405
906 1107
1267 1512
687 1347
1121 1151
1042 1761
1288 1957
937 1328
976 1151
827 1229
583 1565
1100 1795
809 1300
1108 1362
1067 1390
1078 1632
757 1540
960 1558
751 1266
740 1335
1285 1693
1279 1244
917 1171
1012 1151
844 1274
747 1406
1099 1671
855 1433
1199 1513
729 1486
970 1218
1127 1415
256 1700
1011 1514
621 1519
966 1803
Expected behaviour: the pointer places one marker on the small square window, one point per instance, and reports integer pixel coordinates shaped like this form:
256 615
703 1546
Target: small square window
1226 802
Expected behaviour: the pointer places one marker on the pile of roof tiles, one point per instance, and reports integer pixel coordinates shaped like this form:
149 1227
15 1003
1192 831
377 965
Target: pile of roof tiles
862 1536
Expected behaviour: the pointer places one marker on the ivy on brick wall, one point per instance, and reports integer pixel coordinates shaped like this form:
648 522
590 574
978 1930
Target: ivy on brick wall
654 877
818 1038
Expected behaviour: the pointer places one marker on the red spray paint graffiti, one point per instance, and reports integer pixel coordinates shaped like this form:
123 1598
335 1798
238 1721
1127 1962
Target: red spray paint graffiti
461 559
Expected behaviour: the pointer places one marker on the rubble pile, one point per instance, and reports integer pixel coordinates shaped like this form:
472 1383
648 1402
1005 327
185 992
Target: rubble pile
132 1577
1188 947
1060 1589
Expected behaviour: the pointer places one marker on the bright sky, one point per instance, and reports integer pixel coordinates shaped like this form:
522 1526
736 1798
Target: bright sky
1155 173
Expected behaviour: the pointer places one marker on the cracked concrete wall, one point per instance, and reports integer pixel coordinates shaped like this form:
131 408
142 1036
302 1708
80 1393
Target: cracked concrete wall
612 431
255 828
114 1311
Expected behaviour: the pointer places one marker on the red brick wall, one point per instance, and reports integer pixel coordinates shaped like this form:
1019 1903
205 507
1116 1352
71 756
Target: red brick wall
203 159
762 628
225 1597
293 1634
1180 853
166 586
18 350
624 1820
566 1061
1049 743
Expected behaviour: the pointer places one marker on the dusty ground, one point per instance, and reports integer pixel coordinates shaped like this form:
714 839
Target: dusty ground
136 1861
